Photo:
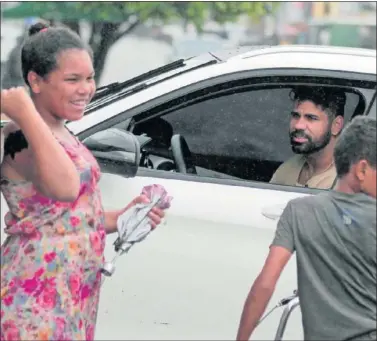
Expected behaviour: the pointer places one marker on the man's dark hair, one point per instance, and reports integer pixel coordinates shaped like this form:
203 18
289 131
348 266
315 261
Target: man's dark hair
332 101
357 142
40 50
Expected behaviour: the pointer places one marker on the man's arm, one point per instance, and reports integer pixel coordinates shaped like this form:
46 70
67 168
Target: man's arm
261 291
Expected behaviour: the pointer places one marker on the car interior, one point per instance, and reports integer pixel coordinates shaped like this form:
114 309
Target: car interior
236 131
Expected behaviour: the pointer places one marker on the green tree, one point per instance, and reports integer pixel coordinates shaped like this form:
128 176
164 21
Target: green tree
111 21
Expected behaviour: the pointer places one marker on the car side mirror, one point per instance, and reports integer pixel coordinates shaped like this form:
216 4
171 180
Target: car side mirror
117 151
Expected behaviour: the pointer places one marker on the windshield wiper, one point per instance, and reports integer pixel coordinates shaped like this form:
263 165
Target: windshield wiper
114 94
123 91
117 86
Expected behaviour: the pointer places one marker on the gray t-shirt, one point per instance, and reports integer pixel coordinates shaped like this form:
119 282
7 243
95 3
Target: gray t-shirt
334 236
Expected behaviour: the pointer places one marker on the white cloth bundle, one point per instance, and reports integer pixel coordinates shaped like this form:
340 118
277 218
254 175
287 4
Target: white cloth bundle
134 225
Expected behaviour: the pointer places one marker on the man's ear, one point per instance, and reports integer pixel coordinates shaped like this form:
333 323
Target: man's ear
337 125
361 170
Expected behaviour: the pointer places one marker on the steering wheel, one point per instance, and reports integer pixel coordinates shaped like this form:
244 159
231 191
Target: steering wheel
182 155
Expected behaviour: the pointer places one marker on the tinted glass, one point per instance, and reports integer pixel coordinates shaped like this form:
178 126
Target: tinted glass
251 124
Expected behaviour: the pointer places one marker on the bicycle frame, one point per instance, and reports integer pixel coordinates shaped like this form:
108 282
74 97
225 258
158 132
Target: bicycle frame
285 317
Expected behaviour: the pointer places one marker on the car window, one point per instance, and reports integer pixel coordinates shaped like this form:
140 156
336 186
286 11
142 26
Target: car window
236 125
242 134
373 109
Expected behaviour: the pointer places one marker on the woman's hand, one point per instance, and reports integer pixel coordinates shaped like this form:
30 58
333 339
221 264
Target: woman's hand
17 104
111 217
44 162
156 215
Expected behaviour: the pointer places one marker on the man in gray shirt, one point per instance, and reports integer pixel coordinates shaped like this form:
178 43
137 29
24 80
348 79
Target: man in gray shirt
334 236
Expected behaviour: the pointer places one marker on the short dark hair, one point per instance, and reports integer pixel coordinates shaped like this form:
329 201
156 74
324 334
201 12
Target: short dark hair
357 142
331 100
43 45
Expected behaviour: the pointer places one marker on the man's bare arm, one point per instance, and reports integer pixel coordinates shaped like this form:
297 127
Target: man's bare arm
262 290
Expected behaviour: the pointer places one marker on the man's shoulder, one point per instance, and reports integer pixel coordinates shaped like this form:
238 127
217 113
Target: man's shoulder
293 161
310 200
287 172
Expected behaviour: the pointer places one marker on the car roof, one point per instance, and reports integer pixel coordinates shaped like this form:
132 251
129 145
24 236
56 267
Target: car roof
217 63
275 57
283 53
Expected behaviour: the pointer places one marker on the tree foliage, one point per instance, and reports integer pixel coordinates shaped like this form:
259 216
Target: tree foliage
111 21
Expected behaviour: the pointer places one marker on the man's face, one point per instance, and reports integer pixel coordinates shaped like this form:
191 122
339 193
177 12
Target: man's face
372 186
310 129
367 178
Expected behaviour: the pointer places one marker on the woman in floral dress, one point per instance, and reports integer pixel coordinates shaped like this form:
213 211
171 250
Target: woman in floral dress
56 226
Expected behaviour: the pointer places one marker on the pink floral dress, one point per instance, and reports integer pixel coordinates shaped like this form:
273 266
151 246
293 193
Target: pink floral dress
51 260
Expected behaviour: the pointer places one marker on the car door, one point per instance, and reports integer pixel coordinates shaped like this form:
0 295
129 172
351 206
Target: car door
202 262
189 279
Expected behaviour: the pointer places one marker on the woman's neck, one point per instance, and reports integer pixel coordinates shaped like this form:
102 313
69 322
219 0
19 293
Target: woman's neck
55 123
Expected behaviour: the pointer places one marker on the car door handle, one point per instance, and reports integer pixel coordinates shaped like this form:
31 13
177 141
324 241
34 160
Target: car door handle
273 212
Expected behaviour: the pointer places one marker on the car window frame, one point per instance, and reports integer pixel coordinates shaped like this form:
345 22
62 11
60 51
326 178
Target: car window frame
349 77
265 84
121 116
272 83
216 93
372 109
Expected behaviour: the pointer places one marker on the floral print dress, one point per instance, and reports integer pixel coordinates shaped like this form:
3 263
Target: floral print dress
51 259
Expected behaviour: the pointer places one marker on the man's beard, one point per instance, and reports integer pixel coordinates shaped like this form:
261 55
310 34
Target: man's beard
310 146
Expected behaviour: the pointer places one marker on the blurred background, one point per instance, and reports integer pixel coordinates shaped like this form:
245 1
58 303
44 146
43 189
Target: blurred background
129 38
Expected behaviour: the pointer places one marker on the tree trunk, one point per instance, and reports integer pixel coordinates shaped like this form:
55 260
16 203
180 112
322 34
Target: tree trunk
12 74
103 36
106 36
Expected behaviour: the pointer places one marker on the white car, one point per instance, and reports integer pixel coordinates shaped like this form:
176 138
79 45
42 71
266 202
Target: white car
213 128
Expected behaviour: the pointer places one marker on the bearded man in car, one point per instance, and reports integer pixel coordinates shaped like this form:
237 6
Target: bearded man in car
333 235
316 122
